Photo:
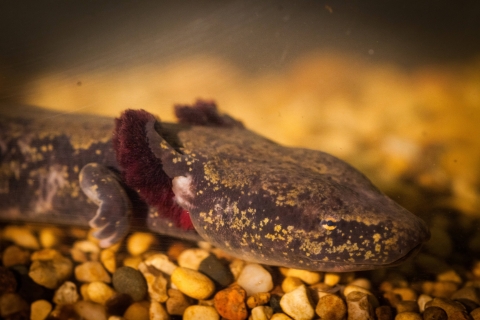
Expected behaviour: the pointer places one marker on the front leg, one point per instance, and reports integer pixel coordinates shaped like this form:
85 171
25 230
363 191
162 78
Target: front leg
112 219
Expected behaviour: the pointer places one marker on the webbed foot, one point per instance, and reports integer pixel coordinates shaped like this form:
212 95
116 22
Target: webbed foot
103 187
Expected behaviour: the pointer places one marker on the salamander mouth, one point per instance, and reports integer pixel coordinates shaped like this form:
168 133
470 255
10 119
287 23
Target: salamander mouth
411 253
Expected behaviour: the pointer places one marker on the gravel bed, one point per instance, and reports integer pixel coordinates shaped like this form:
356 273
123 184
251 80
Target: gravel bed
61 273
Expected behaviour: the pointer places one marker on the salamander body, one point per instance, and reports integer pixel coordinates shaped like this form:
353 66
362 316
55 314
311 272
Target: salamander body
204 177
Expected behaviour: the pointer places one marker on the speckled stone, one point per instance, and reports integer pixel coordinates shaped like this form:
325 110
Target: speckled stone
66 294
91 271
49 268
157 311
201 313
331 307
230 303
434 313
261 313
130 281
384 313
89 310
156 282
408 316
360 306
99 292
40 309
139 242
353 288
177 302
258 299
14 255
11 303
216 270
297 304
193 283
138 311
8 283
254 279
192 258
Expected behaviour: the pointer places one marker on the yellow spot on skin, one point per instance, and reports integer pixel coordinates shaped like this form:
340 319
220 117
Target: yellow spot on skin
376 237
98 151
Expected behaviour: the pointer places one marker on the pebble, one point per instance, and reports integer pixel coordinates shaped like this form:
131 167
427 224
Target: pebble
360 306
407 306
475 314
11 303
8 283
50 237
280 316
91 271
451 276
157 311
297 304
362 283
89 310
331 279
236 267
21 236
384 313
14 255
331 307
408 316
177 302
406 293
49 268
230 303
309 277
99 292
66 294
258 299
449 306
40 309
201 313
161 262
130 281
192 258
132 262
138 311
156 283
107 257
434 313
353 288
291 283
27 288
216 270
139 242
118 303
193 283
469 293
444 289
422 301
261 313
254 279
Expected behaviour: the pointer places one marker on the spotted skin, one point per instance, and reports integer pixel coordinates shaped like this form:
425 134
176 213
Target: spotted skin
253 198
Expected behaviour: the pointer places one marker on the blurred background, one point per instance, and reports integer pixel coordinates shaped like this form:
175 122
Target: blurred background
391 87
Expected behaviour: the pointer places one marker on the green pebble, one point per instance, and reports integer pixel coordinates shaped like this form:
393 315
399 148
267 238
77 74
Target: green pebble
130 281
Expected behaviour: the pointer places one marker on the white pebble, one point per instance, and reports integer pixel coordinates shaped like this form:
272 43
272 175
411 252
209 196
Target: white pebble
255 279
66 294
297 304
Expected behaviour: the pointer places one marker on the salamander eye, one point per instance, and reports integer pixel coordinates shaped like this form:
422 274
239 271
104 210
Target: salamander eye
329 224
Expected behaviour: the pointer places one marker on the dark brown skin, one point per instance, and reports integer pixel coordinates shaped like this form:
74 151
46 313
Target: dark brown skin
245 194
